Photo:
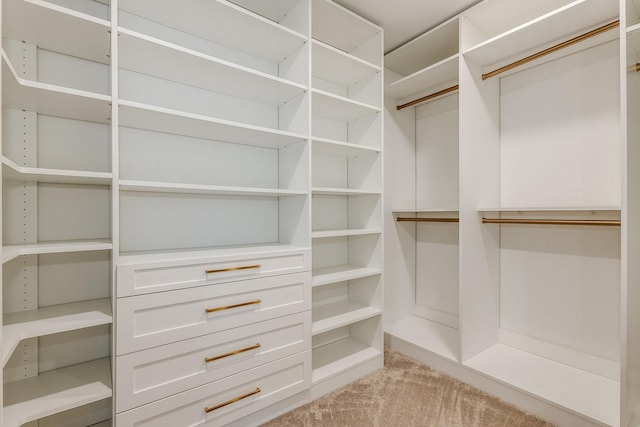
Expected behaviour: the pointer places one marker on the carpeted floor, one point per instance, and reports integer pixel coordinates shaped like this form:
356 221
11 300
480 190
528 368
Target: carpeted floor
407 393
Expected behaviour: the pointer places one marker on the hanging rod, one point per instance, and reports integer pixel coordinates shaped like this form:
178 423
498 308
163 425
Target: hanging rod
638 67
552 49
613 223
401 219
428 97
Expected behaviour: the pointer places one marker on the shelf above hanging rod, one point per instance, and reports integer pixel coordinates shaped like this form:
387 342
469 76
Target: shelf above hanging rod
404 219
552 49
592 222
428 97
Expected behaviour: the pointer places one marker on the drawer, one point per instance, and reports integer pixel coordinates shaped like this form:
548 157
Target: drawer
146 321
146 274
228 399
155 373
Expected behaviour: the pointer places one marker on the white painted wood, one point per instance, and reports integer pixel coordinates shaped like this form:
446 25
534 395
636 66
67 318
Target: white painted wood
551 27
173 62
170 187
141 116
273 10
334 107
146 321
51 100
341 356
320 191
336 66
344 30
437 316
331 148
12 251
426 81
596 397
152 374
425 51
13 172
141 274
333 315
321 234
52 320
561 353
581 129
278 380
56 391
433 337
236 27
38 22
340 273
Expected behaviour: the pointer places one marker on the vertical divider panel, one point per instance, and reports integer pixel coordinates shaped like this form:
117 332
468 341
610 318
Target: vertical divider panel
479 186
115 190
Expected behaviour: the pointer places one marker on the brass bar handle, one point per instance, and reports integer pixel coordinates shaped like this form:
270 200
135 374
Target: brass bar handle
231 353
208 409
613 223
228 307
222 270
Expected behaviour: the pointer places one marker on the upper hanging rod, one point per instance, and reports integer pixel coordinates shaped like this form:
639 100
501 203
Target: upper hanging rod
428 97
613 223
552 49
402 219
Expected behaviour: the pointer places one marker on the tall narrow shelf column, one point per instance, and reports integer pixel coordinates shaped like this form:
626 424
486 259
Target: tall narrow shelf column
56 237
347 196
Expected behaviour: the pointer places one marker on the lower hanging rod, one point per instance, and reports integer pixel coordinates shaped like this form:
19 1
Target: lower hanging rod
552 49
401 219
595 222
428 97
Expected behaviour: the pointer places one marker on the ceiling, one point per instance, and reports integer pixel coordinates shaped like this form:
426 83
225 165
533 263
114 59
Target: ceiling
403 20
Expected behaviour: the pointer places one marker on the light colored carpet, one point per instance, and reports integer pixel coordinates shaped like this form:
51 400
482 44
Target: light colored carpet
407 393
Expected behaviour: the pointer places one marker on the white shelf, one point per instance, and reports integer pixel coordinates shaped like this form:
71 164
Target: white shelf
274 10
340 273
585 209
172 62
13 251
13 172
327 317
166 187
431 336
235 27
546 30
322 191
633 39
425 211
579 391
52 100
336 66
142 116
339 27
56 391
333 148
344 233
426 50
440 75
340 356
56 28
52 320
334 107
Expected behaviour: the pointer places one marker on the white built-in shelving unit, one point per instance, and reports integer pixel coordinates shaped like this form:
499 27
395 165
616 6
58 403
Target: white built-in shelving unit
505 299
346 148
56 230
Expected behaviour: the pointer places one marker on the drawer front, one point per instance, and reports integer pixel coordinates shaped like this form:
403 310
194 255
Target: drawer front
152 320
155 373
168 274
226 400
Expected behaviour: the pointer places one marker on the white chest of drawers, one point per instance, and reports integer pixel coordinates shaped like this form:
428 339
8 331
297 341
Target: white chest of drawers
202 329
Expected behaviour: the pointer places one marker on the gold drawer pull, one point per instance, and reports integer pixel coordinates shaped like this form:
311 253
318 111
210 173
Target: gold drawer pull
244 267
227 307
231 353
208 409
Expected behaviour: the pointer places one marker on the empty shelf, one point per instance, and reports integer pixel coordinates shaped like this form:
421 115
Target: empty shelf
341 273
440 74
332 148
161 187
339 108
340 356
428 335
342 233
10 252
321 191
334 65
334 315
13 172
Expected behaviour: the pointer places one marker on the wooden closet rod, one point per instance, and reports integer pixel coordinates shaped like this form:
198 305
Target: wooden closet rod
552 49
428 97
400 219
613 223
